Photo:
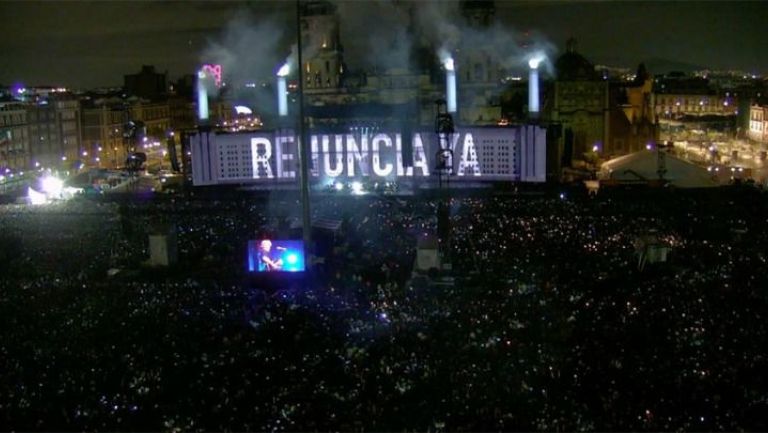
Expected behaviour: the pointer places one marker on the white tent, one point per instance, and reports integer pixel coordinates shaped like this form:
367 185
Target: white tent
644 166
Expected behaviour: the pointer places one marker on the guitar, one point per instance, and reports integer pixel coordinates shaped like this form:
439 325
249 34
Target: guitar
272 265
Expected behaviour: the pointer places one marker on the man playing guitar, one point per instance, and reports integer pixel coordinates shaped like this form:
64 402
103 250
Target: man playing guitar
267 260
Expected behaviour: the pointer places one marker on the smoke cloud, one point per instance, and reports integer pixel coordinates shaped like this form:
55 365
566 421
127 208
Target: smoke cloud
380 30
250 50
385 33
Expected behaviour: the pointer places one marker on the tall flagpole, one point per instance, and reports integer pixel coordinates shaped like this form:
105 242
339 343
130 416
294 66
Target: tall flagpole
303 150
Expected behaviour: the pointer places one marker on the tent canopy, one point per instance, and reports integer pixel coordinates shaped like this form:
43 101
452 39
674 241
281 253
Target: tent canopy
643 166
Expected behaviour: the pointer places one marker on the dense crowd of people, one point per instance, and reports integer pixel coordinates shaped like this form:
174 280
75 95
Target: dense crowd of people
545 322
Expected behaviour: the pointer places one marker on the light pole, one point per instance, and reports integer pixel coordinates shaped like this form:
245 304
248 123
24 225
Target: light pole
303 148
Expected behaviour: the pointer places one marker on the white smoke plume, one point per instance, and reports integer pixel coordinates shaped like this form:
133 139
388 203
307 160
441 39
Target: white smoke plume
380 28
247 49
392 29
250 50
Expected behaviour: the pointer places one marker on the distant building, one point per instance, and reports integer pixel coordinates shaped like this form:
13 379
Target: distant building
692 109
632 123
580 104
14 137
107 137
184 87
395 94
598 115
45 143
324 67
182 112
479 72
675 106
103 123
155 116
68 118
758 123
42 131
146 84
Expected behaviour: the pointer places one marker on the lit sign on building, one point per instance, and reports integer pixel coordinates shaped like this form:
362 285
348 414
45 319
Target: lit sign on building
214 71
514 154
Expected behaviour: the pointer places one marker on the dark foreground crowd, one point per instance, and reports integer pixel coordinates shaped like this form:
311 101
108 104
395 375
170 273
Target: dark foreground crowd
545 323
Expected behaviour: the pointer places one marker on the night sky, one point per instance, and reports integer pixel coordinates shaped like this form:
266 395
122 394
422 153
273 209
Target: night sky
89 44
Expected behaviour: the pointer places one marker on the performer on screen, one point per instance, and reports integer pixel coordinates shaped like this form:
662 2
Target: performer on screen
268 260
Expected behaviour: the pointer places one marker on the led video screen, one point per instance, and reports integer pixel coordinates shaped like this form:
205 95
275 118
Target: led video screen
478 154
271 255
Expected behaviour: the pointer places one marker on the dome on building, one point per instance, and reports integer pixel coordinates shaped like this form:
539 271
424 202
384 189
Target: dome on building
572 66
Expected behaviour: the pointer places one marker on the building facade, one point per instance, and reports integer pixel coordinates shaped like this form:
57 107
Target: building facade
103 142
147 83
580 103
323 64
632 123
14 137
114 126
758 123
40 132
678 105
398 94
479 73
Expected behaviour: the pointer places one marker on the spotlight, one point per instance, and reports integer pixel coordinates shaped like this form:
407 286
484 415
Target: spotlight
36 198
52 185
284 70
282 92
450 84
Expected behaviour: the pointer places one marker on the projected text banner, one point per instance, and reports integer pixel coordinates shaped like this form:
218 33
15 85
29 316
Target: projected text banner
478 154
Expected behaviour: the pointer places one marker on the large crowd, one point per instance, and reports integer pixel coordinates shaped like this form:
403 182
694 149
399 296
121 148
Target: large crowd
545 322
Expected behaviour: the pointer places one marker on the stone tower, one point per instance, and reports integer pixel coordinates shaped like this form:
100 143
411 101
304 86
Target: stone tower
323 52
